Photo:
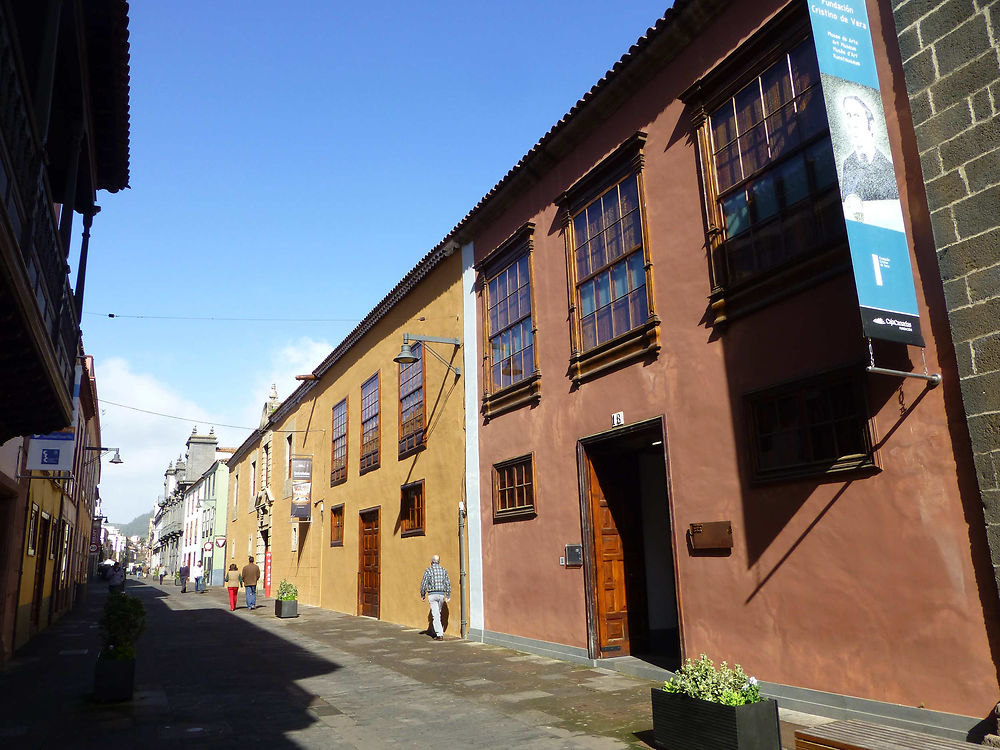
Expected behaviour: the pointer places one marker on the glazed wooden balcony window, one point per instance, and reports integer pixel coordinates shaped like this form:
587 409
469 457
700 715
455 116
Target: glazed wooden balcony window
370 430
813 426
338 458
337 526
412 510
775 174
514 488
511 340
411 403
609 264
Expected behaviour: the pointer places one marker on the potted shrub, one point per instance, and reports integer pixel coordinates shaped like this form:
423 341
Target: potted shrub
286 604
722 708
123 621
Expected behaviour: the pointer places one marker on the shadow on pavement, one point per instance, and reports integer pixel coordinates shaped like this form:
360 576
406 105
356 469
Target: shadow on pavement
202 673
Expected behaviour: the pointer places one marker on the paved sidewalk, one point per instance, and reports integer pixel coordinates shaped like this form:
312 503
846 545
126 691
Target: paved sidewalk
222 679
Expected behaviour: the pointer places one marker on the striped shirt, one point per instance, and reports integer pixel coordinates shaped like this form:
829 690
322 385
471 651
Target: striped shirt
435 581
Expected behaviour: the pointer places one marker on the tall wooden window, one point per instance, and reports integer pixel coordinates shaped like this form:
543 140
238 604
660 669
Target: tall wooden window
253 482
288 454
514 488
774 168
511 338
510 373
812 426
370 431
33 530
609 262
411 403
337 526
338 457
775 224
611 311
412 509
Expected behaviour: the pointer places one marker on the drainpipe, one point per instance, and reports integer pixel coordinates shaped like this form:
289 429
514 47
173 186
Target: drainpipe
463 629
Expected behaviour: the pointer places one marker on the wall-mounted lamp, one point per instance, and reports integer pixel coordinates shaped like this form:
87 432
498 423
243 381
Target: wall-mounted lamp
117 459
405 356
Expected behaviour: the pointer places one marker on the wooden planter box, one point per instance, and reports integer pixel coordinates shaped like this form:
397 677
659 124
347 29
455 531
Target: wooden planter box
286 608
683 723
114 679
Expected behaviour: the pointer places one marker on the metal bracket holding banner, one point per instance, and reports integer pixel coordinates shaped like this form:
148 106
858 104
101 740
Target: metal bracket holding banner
933 378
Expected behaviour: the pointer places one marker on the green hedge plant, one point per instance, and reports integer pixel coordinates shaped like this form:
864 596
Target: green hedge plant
287 591
122 623
725 685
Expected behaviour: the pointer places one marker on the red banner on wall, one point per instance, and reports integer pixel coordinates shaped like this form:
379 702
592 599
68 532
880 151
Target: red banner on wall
267 573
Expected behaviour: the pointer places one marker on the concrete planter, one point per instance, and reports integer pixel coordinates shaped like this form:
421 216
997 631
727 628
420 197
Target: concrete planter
286 608
683 723
114 679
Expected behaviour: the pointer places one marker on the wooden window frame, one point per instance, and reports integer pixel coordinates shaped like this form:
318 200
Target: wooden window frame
865 462
527 390
337 530
405 517
32 536
419 436
338 474
806 269
522 512
289 447
372 459
642 342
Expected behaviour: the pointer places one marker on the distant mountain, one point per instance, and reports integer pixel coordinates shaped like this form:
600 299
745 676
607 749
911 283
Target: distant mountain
138 526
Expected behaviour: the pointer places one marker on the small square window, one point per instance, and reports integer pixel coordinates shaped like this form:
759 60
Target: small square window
514 488
412 509
817 425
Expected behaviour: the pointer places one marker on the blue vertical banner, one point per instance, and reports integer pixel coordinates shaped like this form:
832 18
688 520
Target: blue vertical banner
868 189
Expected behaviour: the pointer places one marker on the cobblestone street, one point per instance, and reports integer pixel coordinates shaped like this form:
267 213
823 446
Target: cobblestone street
322 680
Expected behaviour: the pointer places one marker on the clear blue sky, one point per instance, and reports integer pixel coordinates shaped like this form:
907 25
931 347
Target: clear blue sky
295 161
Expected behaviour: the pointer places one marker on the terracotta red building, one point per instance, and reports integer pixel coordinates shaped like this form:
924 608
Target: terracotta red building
678 446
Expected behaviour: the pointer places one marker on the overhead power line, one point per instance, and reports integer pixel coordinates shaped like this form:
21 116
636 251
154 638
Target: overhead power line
174 416
194 421
249 320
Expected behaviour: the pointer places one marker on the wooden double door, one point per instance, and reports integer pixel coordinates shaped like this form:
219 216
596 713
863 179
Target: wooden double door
369 563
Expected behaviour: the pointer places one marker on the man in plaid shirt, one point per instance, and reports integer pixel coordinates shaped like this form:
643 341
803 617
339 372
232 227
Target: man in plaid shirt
435 587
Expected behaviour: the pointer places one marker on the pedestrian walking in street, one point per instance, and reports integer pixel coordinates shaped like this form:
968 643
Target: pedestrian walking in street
233 582
163 572
185 573
198 573
116 580
250 575
435 587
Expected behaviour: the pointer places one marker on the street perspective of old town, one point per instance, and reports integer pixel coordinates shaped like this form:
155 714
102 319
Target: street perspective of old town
685 434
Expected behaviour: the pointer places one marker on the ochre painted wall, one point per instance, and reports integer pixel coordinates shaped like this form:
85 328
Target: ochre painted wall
878 586
328 576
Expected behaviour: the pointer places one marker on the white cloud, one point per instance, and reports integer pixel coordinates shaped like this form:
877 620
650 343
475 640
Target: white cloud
147 442
298 357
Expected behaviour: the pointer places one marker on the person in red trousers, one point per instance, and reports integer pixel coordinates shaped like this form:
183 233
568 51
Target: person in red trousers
233 582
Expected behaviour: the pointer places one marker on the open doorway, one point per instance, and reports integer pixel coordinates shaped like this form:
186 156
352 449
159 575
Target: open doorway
628 549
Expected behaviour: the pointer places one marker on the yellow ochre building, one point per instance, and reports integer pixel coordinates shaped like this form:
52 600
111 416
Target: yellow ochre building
385 435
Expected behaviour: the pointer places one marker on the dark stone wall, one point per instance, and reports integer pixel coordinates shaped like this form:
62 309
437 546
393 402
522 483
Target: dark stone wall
951 56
